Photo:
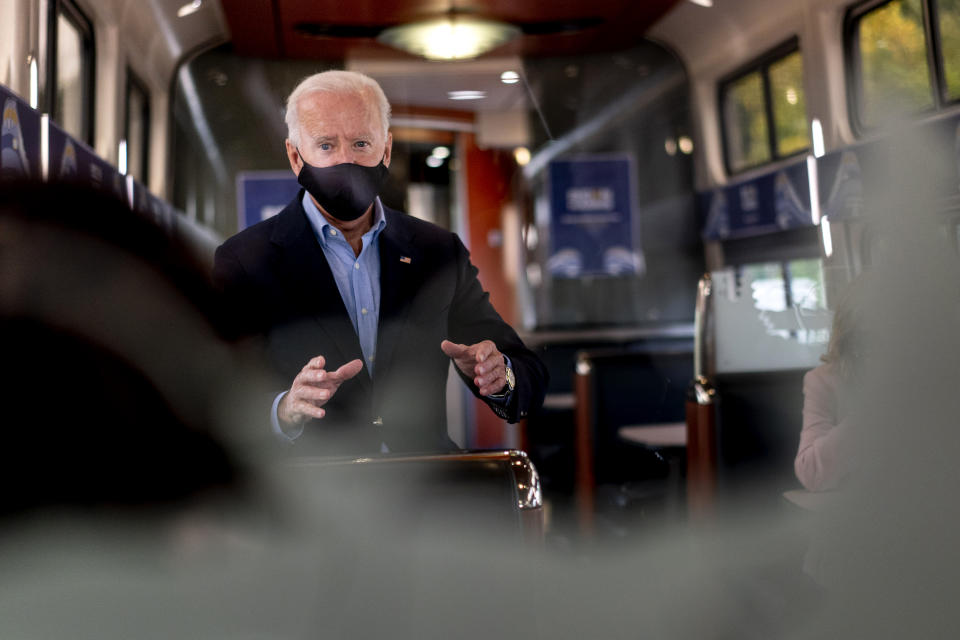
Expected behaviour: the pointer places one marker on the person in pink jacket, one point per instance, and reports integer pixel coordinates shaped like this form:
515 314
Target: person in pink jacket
825 456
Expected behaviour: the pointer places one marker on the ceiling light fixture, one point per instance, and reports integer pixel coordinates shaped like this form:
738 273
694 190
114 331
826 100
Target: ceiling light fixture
509 77
466 95
522 156
189 8
703 3
452 37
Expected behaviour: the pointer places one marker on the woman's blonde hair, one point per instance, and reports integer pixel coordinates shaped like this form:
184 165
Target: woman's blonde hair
846 347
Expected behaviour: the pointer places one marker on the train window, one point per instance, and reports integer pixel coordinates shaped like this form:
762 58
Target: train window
71 71
891 65
777 286
746 123
789 105
948 21
137 127
764 110
806 284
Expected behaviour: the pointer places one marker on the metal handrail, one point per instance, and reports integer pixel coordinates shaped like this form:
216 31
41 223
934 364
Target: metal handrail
700 317
526 477
701 413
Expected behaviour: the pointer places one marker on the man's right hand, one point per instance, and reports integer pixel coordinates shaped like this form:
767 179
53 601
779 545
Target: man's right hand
312 388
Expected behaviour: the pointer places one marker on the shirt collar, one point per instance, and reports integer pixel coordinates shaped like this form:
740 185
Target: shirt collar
321 225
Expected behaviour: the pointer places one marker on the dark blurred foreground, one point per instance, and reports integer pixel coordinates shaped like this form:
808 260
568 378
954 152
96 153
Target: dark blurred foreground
142 498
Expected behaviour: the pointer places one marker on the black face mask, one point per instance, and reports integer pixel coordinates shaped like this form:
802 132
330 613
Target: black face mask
345 191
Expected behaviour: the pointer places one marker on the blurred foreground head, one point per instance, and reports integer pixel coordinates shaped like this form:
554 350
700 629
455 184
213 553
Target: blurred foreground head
115 373
889 543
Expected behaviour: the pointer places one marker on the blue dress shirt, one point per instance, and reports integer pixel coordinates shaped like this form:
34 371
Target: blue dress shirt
358 280
357 277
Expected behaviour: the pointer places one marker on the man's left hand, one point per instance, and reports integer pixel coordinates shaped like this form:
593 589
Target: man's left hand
482 362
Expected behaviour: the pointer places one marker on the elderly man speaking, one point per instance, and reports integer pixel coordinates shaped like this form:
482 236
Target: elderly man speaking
362 307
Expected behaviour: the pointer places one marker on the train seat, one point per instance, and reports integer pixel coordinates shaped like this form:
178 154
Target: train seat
760 415
633 390
106 338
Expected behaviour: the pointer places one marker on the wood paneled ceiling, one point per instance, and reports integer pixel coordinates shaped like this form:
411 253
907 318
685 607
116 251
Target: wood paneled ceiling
338 29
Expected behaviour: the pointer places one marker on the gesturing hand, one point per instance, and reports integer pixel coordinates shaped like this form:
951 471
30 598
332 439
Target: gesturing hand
482 362
312 388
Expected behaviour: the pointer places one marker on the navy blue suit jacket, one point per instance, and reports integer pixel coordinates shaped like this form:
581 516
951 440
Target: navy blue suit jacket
275 278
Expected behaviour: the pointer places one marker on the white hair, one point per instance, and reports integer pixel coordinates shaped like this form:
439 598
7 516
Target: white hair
335 82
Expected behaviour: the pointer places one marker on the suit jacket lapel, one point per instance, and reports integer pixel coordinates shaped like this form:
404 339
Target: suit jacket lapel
311 282
400 275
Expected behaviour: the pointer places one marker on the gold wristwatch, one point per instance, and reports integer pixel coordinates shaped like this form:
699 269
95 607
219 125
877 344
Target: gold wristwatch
511 381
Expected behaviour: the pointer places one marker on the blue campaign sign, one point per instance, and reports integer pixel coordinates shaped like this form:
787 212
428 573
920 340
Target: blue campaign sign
150 206
849 180
847 176
261 194
20 139
591 217
73 161
771 202
841 185
162 211
138 196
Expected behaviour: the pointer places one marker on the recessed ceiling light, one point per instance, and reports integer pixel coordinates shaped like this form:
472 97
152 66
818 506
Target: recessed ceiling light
189 8
522 156
433 162
703 3
509 77
441 152
467 95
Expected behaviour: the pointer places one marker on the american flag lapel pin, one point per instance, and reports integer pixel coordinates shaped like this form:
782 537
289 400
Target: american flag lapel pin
405 259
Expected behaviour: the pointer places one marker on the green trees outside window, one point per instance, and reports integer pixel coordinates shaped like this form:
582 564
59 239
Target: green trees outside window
948 15
765 110
894 74
893 47
746 123
789 105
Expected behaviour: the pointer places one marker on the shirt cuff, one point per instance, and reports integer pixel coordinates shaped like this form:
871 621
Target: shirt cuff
283 436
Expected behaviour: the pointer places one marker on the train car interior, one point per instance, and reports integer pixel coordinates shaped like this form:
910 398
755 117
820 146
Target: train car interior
687 209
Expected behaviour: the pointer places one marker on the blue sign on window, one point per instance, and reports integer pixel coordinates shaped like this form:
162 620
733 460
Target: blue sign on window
591 218
73 161
20 139
771 202
262 194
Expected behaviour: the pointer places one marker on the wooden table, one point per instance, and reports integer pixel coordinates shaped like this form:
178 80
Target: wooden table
671 434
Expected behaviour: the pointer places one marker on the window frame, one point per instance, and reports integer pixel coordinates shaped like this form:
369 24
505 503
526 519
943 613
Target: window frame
936 56
762 64
84 26
134 82
853 65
